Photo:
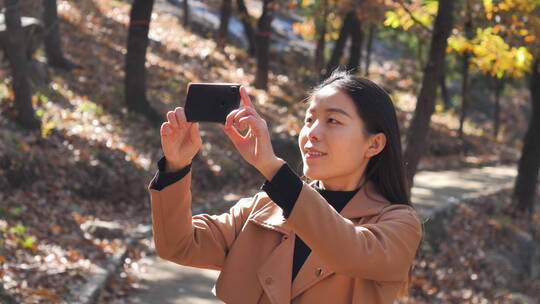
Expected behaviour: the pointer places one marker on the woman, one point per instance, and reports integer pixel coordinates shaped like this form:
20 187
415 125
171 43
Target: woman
350 236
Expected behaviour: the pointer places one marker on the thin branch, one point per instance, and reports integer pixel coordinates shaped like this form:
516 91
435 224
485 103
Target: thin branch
408 11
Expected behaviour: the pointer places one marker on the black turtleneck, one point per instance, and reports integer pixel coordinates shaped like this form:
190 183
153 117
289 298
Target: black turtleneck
283 189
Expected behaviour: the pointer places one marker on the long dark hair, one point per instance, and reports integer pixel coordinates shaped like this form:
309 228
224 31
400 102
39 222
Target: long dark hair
376 109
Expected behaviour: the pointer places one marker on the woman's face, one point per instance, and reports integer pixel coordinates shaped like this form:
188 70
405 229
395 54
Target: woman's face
334 148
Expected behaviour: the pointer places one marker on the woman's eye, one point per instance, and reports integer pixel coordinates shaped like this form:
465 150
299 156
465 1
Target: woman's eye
307 120
331 120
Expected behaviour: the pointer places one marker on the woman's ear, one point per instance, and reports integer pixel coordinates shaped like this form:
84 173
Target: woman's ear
377 142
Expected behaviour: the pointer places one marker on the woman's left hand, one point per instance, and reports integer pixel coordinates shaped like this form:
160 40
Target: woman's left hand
255 147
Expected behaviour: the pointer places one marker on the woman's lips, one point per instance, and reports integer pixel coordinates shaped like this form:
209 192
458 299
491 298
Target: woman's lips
314 155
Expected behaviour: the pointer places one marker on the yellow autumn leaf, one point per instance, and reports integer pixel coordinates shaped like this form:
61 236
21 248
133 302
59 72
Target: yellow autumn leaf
392 19
523 32
458 43
529 38
488 6
523 57
306 3
503 6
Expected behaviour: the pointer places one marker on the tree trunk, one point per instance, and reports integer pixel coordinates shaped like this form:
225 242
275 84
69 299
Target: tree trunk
185 7
53 46
337 53
321 41
248 28
369 47
499 87
416 141
135 71
16 54
464 92
355 53
465 99
264 33
420 55
31 8
225 16
529 164
444 89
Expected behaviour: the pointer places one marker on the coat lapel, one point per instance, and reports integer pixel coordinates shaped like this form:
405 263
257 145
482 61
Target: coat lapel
314 269
276 272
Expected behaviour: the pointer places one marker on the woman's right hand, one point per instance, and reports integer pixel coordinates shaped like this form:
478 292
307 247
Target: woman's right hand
180 139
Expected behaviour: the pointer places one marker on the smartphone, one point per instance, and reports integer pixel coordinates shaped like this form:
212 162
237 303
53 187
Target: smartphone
211 102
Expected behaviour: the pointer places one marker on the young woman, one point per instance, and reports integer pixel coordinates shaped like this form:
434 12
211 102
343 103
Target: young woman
349 236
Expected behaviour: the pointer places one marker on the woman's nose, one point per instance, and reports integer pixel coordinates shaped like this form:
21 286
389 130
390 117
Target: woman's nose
314 132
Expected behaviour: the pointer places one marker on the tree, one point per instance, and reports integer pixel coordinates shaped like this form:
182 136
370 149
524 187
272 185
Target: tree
16 53
369 46
53 47
321 24
346 28
498 88
185 7
135 71
465 68
529 163
356 44
444 89
264 33
248 28
321 39
224 17
498 47
416 138
416 18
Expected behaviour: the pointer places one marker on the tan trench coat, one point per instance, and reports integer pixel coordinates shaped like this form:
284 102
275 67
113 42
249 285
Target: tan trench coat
361 255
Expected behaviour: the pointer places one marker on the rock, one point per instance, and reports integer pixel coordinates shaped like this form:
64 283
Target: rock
509 274
102 229
5 297
524 256
38 72
527 250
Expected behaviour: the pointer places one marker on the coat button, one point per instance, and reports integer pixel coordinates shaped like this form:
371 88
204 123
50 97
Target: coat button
319 272
268 281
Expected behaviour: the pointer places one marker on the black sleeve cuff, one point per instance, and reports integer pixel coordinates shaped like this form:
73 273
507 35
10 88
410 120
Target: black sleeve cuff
164 179
284 189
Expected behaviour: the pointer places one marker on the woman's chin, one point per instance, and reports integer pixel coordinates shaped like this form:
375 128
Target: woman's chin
312 173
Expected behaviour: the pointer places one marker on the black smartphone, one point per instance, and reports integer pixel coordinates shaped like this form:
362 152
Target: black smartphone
211 102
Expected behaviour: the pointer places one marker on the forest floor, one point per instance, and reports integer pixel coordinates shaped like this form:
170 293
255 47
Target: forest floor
93 160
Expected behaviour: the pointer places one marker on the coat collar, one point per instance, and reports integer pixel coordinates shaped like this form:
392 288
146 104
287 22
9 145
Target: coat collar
360 205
